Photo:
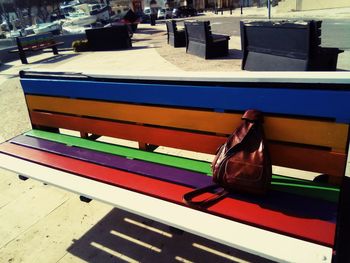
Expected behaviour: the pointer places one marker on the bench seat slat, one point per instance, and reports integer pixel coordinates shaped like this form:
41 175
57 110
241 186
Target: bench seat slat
162 172
168 173
317 230
282 154
170 160
301 102
313 132
253 240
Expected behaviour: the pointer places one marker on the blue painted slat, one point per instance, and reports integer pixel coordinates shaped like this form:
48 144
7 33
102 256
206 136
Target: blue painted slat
304 102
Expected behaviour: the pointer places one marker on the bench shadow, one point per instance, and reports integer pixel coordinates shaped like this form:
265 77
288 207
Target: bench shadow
150 31
4 67
121 236
141 39
55 58
234 54
141 47
121 50
295 205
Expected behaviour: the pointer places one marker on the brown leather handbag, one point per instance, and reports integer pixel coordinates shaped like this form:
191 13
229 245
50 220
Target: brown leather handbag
242 164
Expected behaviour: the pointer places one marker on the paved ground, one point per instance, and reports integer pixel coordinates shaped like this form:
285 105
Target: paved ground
40 223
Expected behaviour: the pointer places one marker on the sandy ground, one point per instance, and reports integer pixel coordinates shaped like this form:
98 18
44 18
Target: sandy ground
14 116
188 62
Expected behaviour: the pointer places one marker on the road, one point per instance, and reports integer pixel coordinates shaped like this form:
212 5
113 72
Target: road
335 32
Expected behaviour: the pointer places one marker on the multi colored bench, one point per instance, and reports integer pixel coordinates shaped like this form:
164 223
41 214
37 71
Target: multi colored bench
307 125
35 43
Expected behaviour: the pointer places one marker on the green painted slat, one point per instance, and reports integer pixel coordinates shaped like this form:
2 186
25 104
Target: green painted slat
279 183
328 193
174 161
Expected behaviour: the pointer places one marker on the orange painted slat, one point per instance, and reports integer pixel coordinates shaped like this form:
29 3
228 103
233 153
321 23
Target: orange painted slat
313 132
299 157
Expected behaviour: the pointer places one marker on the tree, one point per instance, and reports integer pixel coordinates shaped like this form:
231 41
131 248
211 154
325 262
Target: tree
42 8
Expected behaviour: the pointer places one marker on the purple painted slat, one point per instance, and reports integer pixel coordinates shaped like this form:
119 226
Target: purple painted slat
153 170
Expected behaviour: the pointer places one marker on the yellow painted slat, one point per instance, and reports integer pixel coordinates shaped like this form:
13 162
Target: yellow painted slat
313 132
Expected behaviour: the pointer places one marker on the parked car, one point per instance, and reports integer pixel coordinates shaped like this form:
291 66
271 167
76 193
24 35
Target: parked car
184 11
168 13
146 16
147 11
161 13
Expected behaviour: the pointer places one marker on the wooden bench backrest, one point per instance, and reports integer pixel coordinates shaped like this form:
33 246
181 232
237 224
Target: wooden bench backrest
34 41
45 38
198 31
306 124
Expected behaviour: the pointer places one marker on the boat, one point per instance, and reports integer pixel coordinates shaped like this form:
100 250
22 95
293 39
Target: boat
14 34
75 16
54 27
74 29
79 19
101 11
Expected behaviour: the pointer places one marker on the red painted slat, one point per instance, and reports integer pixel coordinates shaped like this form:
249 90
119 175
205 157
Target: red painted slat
315 230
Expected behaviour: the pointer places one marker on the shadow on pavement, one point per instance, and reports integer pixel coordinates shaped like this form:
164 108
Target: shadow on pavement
55 58
141 39
234 54
150 31
4 67
122 236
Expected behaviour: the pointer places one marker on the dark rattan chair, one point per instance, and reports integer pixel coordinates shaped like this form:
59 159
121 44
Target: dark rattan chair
109 38
285 46
201 42
176 38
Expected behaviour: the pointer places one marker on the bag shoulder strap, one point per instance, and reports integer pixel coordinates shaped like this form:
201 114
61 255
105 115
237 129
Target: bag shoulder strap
188 197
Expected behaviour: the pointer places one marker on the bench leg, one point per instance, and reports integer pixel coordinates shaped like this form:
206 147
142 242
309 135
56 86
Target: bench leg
23 57
92 137
22 177
54 50
84 135
147 147
342 238
85 199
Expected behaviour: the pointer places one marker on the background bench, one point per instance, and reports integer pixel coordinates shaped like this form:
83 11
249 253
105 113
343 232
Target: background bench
202 42
35 43
176 38
109 38
307 125
285 46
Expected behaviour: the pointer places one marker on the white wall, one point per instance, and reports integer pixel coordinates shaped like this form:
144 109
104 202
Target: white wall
323 4
303 5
